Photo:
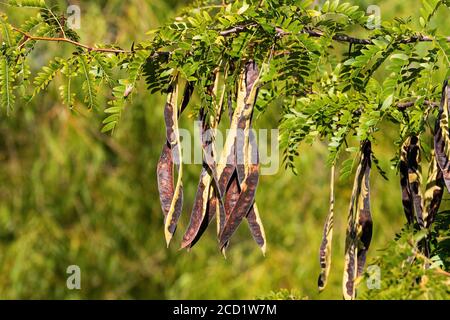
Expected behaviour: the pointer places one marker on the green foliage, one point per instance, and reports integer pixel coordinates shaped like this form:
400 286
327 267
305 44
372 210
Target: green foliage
303 68
40 4
326 90
89 89
6 85
47 74
406 274
69 70
283 294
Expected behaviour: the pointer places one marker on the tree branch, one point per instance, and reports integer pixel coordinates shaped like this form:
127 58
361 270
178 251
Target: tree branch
338 37
75 43
409 104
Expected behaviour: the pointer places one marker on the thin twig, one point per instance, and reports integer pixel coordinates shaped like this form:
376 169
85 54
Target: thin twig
353 40
75 43
409 104
438 270
338 37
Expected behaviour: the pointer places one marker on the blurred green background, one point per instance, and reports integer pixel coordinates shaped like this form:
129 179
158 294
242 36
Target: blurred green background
70 195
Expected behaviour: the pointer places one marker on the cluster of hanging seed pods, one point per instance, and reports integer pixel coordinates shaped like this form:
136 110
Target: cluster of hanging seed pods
359 227
228 182
420 208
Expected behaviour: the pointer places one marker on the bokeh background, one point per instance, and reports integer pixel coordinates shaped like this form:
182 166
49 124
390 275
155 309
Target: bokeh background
70 195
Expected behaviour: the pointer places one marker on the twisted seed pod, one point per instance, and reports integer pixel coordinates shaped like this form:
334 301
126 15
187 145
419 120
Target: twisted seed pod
434 192
206 201
442 136
171 196
327 238
408 205
247 158
199 212
359 228
411 181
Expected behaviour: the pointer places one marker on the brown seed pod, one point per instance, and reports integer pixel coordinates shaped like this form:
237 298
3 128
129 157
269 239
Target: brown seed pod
247 158
420 209
407 200
199 211
206 202
434 192
257 228
168 192
442 136
359 228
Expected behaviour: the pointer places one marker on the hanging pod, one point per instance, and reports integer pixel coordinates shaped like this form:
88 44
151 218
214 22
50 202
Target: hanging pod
171 196
227 186
442 135
434 192
242 139
207 202
420 208
327 238
411 181
199 211
359 227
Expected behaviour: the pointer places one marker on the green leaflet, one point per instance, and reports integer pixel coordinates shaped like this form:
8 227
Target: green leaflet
47 74
66 92
115 107
123 88
442 135
359 228
327 238
39 4
89 85
7 97
28 26
104 69
6 31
